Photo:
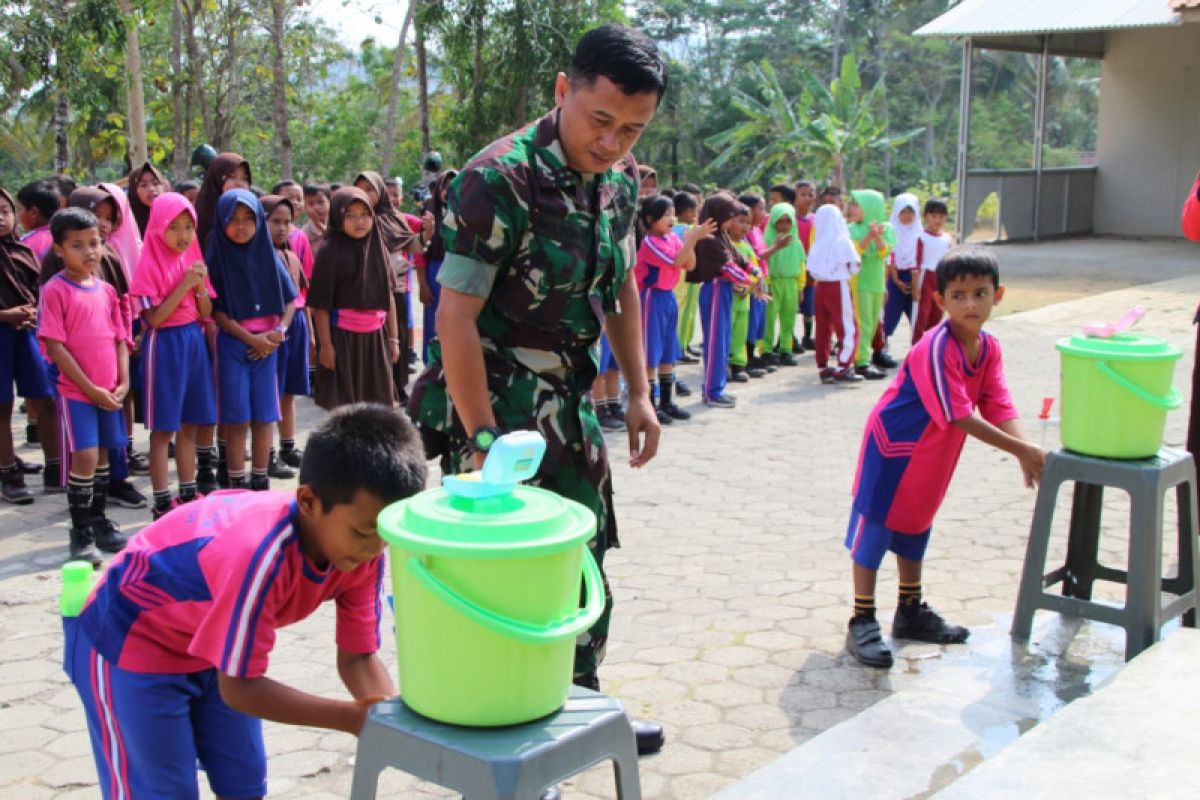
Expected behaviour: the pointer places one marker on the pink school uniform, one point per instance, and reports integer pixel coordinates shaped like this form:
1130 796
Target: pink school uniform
39 241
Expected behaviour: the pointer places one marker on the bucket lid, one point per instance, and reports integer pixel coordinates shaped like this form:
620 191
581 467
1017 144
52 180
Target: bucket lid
525 523
1120 347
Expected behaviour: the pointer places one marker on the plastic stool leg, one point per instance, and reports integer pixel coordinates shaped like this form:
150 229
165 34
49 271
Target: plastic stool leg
1189 555
625 771
1143 602
1033 573
1083 543
367 766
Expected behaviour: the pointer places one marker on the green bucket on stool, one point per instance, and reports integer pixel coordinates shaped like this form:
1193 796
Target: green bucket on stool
1116 393
486 580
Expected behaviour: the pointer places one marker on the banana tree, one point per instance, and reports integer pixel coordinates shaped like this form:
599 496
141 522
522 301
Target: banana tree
834 128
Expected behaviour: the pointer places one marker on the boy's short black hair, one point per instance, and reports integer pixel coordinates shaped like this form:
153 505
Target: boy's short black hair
654 208
684 201
805 185
627 57
692 188
936 205
363 446
667 192
750 199
42 196
314 189
785 191
333 187
283 184
967 259
64 183
187 186
830 191
70 219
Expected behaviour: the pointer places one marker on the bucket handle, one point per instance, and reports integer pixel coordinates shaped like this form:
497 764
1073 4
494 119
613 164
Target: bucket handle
569 626
1172 401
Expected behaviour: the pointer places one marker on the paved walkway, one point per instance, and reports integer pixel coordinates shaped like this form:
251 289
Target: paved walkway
732 586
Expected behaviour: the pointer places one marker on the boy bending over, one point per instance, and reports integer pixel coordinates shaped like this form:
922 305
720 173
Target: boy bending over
950 385
170 653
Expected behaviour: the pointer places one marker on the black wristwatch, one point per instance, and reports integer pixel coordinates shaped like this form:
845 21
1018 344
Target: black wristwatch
483 439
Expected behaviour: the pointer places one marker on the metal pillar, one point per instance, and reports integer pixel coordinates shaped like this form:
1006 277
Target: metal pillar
964 136
1039 133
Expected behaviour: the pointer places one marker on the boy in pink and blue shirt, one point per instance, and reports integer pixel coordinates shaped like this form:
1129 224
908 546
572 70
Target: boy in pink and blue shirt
82 330
36 204
170 653
950 385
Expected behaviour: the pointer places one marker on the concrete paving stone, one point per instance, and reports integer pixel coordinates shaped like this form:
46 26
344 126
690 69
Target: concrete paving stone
669 654
78 770
734 656
26 715
65 745
24 767
727 695
680 758
718 737
653 690
67 721
795 698
684 713
694 673
758 718
28 671
27 791
301 764
698 787
744 760
826 717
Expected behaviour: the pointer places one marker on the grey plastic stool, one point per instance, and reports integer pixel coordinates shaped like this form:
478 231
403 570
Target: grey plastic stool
512 763
1147 481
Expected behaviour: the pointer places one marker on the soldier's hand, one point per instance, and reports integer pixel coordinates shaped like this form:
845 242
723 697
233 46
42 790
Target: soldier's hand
642 424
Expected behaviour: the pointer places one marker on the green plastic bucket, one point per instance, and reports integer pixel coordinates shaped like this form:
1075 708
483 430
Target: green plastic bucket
1116 393
487 598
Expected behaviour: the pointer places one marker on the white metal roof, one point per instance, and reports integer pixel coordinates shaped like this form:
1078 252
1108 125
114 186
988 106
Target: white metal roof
1001 17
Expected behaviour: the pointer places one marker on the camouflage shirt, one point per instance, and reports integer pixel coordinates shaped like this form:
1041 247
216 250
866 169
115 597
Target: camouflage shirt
549 248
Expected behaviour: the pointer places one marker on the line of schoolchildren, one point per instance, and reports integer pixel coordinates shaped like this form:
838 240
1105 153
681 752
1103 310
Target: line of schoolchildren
202 317
752 268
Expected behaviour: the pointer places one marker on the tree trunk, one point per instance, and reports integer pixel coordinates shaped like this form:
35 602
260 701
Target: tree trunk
422 84
190 10
839 33
135 96
389 131
62 151
477 12
179 118
279 104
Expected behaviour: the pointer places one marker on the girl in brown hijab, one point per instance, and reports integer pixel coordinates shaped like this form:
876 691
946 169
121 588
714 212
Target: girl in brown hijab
227 171
718 263
352 307
400 242
145 184
19 270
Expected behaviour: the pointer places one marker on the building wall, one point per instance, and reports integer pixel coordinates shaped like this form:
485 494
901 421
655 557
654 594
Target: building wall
1149 136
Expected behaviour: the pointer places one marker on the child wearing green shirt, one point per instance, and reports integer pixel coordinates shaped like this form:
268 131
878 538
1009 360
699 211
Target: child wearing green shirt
785 270
875 239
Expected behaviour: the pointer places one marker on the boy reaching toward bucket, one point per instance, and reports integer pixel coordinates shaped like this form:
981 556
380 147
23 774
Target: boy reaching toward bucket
169 655
950 385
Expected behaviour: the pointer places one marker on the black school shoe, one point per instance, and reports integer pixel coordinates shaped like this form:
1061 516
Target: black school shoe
107 535
675 412
828 376
848 375
26 467
738 375
82 547
883 359
14 490
682 389
687 358
124 494
292 456
788 360
277 469
922 624
870 372
864 641
663 417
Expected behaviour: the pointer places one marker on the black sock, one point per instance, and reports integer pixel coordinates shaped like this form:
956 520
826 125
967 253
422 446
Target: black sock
53 471
100 491
237 480
258 473
287 445
666 385
79 499
864 606
162 499
128 444
206 457
187 491
221 452
910 596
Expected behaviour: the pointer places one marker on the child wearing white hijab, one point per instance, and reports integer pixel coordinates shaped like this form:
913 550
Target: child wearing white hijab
906 222
832 262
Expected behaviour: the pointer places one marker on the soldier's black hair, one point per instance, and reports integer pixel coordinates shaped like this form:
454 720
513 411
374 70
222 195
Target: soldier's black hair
284 184
750 199
71 219
627 57
40 195
830 191
692 188
314 189
654 208
967 259
805 185
935 205
363 446
785 191
187 186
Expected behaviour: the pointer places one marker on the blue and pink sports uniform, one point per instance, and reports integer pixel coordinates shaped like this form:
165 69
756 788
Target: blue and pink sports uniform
202 590
911 445
39 240
88 319
657 276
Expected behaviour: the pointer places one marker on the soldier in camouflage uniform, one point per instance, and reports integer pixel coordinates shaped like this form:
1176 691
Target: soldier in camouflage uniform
539 239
